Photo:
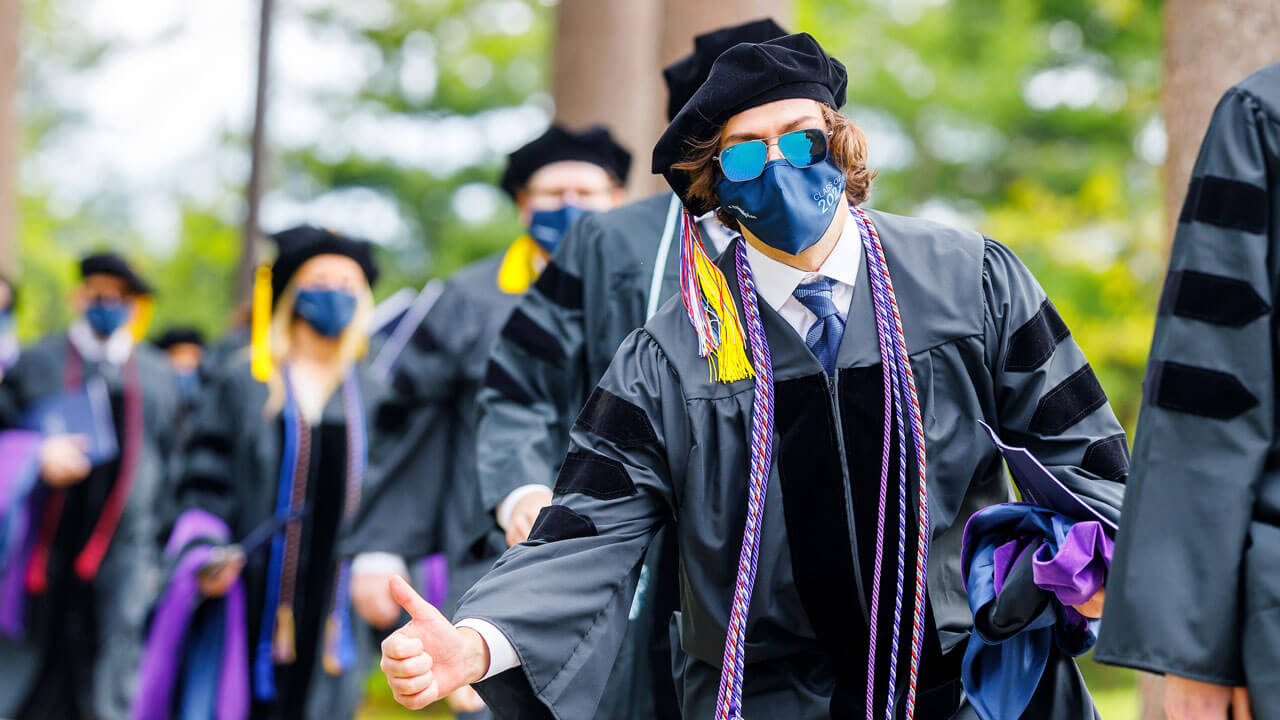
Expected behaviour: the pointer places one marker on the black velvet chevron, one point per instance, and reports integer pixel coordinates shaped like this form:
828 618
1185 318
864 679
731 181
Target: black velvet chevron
560 287
1226 203
1214 299
1108 458
1068 403
1198 391
617 420
532 338
557 522
1033 344
497 377
593 474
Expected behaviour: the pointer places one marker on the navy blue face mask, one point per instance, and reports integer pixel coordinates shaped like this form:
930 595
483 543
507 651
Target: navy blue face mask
106 316
787 207
328 312
546 227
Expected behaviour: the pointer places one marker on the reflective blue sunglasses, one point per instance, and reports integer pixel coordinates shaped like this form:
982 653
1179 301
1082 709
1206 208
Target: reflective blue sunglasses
745 161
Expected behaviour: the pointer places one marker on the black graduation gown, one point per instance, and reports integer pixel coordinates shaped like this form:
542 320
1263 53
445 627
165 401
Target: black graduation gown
231 468
104 617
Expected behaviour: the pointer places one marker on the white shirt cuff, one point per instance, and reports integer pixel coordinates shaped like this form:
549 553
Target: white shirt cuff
508 504
502 655
379 563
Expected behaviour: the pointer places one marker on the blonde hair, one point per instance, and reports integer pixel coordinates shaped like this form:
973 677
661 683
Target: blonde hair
847 148
353 343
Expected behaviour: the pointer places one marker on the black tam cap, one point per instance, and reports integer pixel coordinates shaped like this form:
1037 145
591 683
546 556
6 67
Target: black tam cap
300 244
687 74
107 263
594 145
179 335
745 76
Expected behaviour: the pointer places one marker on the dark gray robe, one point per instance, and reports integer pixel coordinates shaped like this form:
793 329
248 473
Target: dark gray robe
1195 589
128 577
659 444
598 287
423 497
231 468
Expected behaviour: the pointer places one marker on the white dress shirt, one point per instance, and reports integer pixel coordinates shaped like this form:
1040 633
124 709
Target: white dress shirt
775 282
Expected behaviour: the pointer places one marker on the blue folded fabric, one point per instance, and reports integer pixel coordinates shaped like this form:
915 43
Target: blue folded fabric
1020 624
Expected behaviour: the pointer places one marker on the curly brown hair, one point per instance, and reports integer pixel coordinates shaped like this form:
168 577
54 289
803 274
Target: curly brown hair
848 150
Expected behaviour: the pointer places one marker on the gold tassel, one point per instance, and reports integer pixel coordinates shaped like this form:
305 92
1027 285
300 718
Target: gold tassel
283 650
260 332
728 360
144 309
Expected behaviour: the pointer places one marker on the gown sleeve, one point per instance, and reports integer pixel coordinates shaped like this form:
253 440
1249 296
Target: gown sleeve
1208 415
534 383
582 561
206 477
1047 396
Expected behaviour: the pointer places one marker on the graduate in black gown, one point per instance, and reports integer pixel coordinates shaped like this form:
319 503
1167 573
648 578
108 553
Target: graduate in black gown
807 419
75 590
283 435
424 496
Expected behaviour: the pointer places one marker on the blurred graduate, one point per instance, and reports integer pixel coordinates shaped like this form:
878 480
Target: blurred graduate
608 275
78 561
254 620
424 494
783 418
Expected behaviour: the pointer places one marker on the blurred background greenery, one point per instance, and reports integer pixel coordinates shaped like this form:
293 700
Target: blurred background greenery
1035 121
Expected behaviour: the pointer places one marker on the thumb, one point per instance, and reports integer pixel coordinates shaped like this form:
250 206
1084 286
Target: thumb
420 610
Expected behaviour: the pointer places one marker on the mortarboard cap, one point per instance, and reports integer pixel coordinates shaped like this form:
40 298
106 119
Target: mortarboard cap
746 76
179 335
687 74
594 145
107 263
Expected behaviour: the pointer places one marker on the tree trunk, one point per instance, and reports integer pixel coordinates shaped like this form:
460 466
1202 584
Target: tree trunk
609 56
10 18
1210 45
258 161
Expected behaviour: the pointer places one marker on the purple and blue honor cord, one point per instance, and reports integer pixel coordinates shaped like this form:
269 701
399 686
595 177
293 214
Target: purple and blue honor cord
901 407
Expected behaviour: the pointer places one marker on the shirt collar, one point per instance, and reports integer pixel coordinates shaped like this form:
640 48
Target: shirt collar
114 349
776 281
719 235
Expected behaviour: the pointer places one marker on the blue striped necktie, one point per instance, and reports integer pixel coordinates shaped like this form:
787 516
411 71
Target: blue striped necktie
824 335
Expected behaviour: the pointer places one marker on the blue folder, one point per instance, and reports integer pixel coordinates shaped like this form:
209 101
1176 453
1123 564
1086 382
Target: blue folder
85 411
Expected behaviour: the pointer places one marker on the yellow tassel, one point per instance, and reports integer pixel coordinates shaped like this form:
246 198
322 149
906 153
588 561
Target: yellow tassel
332 665
728 361
283 650
260 333
517 271
144 309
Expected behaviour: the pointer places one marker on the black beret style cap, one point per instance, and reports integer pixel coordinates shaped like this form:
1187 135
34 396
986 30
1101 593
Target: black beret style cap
594 145
300 244
687 74
179 335
746 76
107 263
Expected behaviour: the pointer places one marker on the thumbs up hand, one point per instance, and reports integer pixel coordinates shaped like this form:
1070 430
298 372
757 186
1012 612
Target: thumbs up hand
429 658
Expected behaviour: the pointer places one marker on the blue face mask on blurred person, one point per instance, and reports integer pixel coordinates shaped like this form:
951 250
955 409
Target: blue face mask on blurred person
546 227
106 316
786 207
328 312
